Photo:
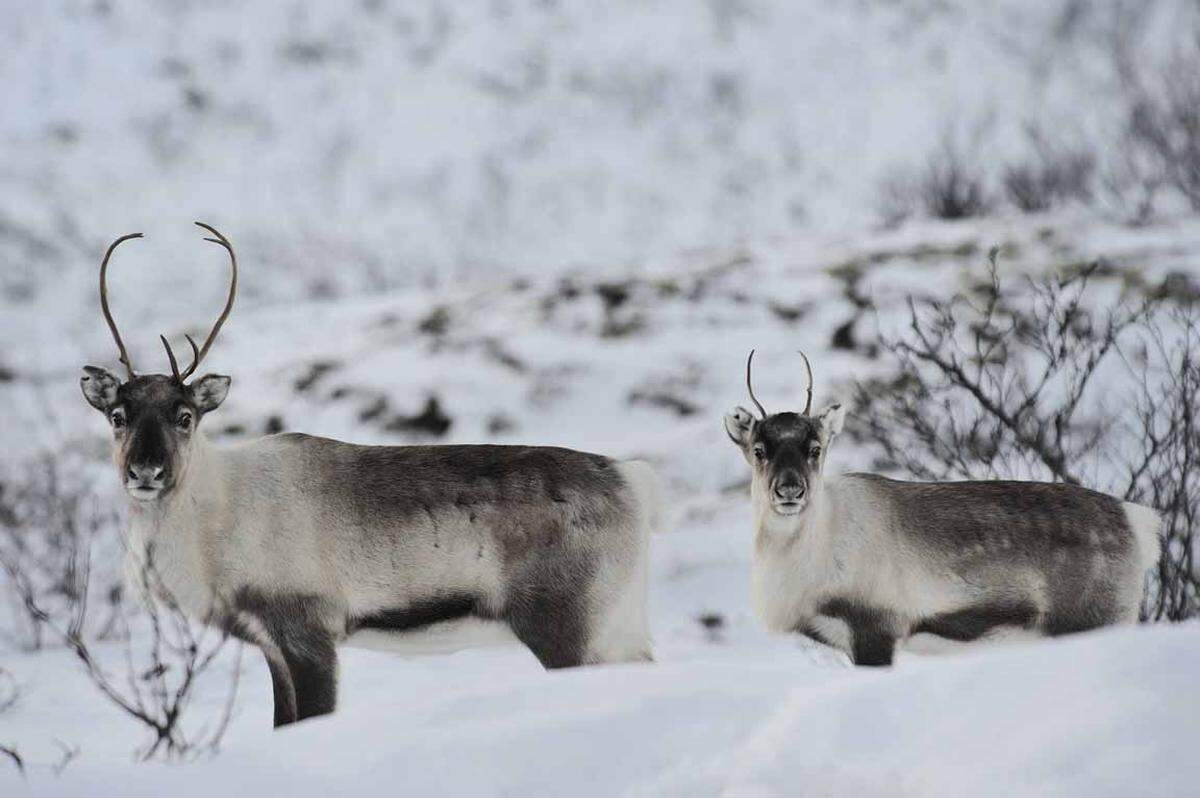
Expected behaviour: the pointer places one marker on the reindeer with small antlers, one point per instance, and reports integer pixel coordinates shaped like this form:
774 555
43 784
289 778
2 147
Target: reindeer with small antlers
292 541
860 562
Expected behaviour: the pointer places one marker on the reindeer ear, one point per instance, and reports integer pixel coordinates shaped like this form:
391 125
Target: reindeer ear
738 424
209 391
99 387
831 420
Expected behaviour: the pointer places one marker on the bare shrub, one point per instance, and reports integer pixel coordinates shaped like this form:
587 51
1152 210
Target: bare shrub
1156 152
1053 175
11 753
8 698
1132 181
1042 380
45 518
951 185
46 560
1166 364
8 691
1164 120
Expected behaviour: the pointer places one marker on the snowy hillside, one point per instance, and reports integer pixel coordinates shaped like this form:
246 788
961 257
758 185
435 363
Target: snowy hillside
558 223
381 143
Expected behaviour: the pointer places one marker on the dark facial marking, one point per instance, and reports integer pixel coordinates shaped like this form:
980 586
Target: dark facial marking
783 446
151 435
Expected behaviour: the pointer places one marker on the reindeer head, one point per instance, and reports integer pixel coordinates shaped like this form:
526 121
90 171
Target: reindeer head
785 450
154 416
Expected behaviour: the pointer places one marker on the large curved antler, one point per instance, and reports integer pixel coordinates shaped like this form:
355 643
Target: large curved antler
112 325
758 404
808 368
198 353
750 387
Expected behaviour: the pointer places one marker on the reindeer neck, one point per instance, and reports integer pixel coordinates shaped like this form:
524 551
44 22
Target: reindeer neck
810 529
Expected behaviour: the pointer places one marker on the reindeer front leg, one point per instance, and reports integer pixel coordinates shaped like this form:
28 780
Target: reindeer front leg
872 632
294 634
282 686
303 675
312 663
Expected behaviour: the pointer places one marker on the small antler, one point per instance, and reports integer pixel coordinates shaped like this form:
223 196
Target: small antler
112 326
808 368
750 387
198 354
171 357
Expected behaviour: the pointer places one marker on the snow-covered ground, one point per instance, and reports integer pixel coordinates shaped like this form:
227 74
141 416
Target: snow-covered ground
568 222
1113 713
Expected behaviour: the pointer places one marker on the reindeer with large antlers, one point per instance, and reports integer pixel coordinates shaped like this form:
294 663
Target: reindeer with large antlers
292 541
860 562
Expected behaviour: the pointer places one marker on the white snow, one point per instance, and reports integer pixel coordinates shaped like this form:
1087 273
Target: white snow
1112 713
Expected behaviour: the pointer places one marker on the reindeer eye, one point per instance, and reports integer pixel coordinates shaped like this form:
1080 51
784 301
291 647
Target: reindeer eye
184 422
815 453
117 418
760 452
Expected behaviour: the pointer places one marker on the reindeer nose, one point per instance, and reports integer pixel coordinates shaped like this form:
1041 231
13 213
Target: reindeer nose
146 474
789 491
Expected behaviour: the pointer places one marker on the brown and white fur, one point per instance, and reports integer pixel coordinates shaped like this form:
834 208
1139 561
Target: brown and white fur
861 562
292 541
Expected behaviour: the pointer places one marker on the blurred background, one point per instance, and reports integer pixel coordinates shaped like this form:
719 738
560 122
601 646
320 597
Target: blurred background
356 149
371 145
